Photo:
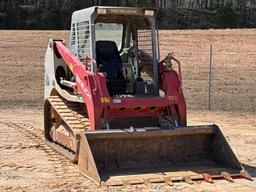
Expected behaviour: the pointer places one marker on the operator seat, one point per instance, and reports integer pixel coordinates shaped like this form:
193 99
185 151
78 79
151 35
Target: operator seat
110 62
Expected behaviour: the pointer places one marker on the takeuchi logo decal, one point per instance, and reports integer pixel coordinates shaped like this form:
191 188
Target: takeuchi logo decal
85 90
123 11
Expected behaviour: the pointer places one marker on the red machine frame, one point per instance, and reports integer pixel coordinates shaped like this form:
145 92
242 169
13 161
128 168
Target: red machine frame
100 105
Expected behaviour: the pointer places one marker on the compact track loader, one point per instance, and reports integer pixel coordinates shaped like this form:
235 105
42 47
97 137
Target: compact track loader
112 107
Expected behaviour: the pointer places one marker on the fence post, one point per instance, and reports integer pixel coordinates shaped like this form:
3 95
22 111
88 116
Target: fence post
210 79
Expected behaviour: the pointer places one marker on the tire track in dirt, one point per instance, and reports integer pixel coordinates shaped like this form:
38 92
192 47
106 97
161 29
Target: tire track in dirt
67 176
62 175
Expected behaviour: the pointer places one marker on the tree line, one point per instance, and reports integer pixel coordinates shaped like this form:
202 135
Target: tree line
56 14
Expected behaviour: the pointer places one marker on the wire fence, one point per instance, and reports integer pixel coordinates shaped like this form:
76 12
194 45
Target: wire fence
219 71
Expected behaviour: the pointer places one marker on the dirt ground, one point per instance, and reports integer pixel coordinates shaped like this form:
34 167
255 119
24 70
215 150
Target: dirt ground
27 164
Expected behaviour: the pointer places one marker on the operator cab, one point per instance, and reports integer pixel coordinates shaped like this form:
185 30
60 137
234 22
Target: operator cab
109 62
123 42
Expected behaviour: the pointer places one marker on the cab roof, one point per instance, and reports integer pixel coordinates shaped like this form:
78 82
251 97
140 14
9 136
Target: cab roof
88 13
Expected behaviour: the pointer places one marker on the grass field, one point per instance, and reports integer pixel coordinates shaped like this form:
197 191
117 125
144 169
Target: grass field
234 66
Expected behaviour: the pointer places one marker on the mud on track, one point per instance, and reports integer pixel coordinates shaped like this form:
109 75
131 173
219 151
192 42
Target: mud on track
27 164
